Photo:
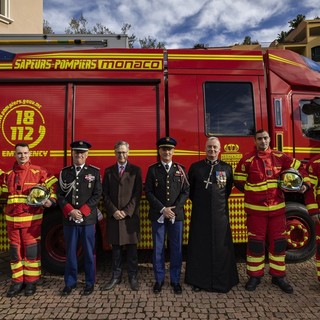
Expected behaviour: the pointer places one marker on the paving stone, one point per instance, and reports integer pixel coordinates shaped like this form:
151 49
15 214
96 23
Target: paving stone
267 302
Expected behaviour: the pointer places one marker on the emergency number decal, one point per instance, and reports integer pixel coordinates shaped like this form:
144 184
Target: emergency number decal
22 121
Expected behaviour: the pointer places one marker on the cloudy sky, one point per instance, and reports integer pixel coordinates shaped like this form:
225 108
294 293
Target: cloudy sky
183 23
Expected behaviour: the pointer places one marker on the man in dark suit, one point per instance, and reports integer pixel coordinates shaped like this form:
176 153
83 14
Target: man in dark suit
167 189
122 189
79 192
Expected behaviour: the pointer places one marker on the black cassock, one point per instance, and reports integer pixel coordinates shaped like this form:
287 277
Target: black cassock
211 263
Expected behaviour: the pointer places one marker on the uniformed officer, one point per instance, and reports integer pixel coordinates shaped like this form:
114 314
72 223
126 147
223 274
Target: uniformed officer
167 189
79 192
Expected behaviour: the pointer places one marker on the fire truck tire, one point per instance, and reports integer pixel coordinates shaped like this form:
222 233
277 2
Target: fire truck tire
301 231
53 251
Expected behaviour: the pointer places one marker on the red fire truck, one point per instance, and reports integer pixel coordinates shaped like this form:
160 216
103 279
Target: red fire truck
49 99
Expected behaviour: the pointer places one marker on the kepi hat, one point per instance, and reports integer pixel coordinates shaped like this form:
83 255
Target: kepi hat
166 142
80 145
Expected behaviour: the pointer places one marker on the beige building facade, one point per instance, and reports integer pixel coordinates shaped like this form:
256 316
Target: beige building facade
305 39
21 16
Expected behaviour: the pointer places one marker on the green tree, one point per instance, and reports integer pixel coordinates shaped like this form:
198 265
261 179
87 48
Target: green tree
282 36
131 38
151 43
78 26
295 22
200 46
47 28
247 41
98 28
292 24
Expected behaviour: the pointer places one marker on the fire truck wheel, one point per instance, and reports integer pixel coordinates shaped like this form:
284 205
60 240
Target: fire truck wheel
301 233
53 251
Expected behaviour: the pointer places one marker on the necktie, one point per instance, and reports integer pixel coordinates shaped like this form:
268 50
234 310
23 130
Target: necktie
78 169
167 167
121 171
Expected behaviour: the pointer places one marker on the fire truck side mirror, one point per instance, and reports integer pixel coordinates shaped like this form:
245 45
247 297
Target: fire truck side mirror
311 108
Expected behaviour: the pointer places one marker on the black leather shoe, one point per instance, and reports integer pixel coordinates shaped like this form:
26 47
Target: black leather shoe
67 290
88 289
176 288
196 289
14 289
30 289
112 283
134 284
157 287
282 284
252 283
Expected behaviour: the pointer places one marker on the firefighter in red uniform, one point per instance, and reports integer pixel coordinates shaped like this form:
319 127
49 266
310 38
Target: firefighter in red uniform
24 220
257 176
312 199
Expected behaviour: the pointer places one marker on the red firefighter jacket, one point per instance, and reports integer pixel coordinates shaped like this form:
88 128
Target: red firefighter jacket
312 196
257 175
16 185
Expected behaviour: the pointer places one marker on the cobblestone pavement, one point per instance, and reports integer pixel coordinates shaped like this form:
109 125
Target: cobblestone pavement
267 302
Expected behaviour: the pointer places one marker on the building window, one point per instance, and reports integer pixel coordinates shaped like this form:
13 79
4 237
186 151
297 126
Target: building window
229 108
5 11
315 53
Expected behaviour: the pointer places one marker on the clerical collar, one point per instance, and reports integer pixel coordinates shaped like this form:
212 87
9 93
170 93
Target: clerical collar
212 162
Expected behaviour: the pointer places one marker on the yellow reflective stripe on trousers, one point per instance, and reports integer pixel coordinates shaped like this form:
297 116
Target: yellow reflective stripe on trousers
32 272
280 258
17 274
16 265
255 268
33 264
255 259
265 208
277 267
24 219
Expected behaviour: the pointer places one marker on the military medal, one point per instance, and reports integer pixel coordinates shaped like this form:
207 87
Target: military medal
89 177
221 178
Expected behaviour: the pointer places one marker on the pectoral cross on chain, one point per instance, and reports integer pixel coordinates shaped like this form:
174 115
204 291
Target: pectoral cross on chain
207 182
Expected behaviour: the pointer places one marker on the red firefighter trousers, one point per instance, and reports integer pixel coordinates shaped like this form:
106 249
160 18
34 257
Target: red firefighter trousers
318 249
266 229
25 253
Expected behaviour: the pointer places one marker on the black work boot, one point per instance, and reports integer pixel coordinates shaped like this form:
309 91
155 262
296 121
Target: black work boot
14 289
282 284
252 283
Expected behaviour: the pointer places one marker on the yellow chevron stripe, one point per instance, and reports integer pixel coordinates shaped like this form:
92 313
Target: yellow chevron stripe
136 153
283 60
5 66
175 56
96 55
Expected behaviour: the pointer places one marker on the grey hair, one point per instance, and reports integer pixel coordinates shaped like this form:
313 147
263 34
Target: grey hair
213 138
121 143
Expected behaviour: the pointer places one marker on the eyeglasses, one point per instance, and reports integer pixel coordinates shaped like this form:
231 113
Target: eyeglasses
121 152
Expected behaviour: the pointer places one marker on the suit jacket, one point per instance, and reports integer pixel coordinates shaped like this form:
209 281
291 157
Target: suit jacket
123 193
166 189
84 195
